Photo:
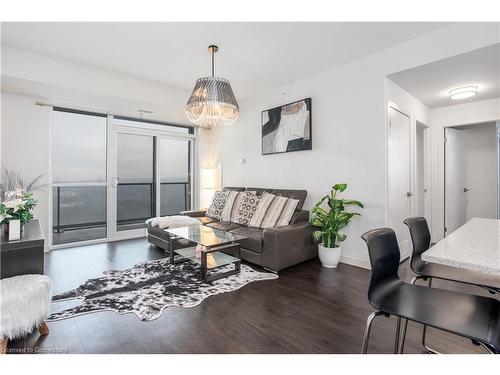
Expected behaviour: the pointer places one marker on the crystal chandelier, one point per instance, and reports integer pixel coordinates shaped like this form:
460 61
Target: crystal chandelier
212 102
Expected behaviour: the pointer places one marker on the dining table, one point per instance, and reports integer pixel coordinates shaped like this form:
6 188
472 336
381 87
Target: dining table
475 246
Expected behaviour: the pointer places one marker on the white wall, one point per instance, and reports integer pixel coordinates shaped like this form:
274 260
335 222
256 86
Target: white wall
482 171
349 119
68 84
25 146
461 114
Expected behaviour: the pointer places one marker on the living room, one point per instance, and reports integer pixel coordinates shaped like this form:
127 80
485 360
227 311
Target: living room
246 187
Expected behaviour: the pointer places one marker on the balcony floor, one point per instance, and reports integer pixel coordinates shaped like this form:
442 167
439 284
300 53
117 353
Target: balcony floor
87 234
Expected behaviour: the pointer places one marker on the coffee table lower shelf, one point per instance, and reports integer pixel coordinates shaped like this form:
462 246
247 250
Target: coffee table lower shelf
210 259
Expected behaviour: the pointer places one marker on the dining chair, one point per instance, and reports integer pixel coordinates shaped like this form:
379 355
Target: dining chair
474 317
421 240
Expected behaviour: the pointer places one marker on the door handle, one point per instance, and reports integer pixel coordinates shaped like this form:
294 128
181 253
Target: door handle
466 190
114 182
409 194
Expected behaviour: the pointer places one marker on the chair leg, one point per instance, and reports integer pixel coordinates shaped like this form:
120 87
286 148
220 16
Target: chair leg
403 336
43 329
424 331
488 349
396 341
3 344
366 336
405 323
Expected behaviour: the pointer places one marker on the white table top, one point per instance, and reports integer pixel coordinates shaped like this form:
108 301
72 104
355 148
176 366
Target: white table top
474 246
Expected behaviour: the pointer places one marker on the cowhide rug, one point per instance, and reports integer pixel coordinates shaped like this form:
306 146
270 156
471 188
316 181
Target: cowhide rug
148 288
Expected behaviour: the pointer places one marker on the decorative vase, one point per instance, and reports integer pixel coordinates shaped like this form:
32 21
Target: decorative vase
14 229
329 256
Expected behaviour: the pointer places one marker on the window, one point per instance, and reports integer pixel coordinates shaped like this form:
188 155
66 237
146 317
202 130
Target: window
78 176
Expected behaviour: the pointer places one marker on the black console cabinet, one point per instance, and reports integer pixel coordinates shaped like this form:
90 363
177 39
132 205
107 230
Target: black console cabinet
23 256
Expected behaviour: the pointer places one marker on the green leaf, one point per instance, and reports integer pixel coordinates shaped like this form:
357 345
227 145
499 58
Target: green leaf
317 235
352 202
340 187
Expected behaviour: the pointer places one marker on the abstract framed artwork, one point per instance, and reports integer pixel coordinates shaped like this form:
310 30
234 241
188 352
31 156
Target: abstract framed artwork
287 128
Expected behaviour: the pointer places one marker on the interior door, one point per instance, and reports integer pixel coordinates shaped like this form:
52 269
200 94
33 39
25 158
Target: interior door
455 180
400 196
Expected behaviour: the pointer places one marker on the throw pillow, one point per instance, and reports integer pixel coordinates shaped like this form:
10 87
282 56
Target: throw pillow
265 202
247 208
279 212
217 205
229 205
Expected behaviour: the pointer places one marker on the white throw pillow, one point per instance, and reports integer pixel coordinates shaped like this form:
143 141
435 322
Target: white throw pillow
273 211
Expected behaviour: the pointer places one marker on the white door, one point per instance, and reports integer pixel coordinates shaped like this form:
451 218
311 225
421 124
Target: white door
455 180
399 177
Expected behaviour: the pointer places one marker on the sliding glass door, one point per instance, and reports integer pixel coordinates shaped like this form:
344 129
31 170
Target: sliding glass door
174 162
135 193
152 174
110 174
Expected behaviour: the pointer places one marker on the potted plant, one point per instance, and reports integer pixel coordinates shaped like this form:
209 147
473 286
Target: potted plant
17 205
329 221
18 200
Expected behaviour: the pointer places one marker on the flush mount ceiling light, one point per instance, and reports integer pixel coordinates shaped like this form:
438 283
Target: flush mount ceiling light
212 102
463 92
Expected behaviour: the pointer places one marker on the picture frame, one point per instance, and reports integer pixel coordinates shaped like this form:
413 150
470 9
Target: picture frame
287 128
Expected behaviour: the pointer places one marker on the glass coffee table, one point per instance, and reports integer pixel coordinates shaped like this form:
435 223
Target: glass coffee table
211 257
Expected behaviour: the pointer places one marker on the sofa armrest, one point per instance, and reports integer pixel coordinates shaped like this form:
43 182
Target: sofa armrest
288 245
300 216
193 213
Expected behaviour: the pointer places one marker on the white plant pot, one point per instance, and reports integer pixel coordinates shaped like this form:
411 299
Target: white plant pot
329 256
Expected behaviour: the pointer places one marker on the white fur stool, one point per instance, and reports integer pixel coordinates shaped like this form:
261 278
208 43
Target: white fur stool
24 305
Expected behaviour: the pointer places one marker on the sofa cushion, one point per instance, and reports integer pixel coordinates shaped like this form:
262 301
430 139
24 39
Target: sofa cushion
207 220
217 205
247 208
223 225
254 238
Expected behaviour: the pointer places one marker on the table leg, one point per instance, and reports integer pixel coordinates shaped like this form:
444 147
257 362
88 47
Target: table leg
204 270
171 250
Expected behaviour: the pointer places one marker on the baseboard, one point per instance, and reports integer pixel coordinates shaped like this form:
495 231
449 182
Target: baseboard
358 262
404 256
364 263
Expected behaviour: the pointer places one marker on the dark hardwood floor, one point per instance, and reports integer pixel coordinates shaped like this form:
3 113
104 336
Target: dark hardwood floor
308 309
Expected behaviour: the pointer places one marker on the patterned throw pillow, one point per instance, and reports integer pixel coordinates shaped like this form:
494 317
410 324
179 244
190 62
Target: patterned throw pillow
247 208
217 205
229 207
273 211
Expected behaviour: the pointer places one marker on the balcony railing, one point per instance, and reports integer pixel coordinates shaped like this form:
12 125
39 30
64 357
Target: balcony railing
125 205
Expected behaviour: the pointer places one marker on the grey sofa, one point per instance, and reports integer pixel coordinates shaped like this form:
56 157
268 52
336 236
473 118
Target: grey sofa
272 248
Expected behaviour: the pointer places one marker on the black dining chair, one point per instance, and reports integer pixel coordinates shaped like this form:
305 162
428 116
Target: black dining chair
474 317
421 240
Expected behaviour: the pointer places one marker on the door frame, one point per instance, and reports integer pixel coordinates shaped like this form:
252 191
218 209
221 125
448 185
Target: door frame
411 156
498 168
443 205
427 169
114 130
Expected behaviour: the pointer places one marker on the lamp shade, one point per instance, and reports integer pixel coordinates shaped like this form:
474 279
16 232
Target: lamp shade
212 103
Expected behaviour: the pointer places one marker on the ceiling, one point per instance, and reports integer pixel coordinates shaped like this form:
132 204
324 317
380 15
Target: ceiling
252 56
432 82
